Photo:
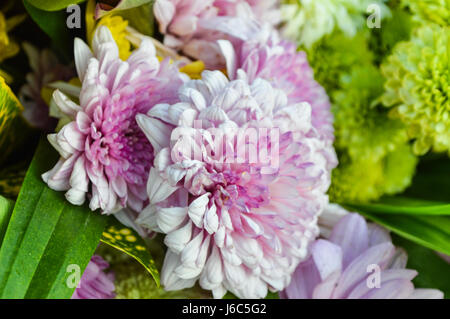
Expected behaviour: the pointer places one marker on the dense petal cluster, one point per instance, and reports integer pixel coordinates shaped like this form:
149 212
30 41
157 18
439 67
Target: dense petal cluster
95 282
338 267
364 179
186 24
234 223
436 11
278 62
362 127
103 151
418 86
308 21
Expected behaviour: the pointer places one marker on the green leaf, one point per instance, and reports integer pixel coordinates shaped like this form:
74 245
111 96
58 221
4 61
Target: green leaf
103 8
434 272
10 119
6 207
140 18
429 231
44 236
53 5
11 179
127 240
54 24
404 205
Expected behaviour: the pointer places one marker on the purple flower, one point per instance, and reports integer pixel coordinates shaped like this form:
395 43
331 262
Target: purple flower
234 222
358 261
95 283
103 151
45 70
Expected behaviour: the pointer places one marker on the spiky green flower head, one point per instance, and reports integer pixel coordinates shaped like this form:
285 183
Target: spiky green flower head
362 127
375 157
417 87
436 11
308 21
337 55
362 180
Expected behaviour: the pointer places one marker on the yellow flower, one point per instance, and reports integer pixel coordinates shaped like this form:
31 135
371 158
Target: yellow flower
116 24
194 69
8 48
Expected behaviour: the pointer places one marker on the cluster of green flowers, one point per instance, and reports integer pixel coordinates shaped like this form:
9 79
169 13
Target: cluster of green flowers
418 86
389 92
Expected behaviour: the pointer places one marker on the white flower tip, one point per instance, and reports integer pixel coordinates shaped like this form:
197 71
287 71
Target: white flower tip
75 196
82 55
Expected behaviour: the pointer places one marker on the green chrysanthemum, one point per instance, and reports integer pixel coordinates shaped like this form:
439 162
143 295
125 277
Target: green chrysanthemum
361 128
367 140
436 11
308 21
355 181
399 168
337 55
363 180
418 85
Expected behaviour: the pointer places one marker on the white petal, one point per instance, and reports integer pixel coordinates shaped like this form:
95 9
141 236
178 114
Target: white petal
148 218
178 239
156 131
169 279
230 57
169 219
66 105
211 220
197 209
82 55
158 189
102 35
79 183
212 275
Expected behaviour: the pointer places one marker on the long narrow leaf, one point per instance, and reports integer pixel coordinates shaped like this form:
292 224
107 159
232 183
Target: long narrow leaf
6 207
44 236
128 241
404 205
429 231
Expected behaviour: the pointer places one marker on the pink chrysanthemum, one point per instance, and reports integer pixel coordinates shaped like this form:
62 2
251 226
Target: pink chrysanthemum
95 283
103 151
345 267
234 223
278 62
186 23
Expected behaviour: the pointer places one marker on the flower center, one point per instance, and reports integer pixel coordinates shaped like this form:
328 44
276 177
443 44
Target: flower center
242 187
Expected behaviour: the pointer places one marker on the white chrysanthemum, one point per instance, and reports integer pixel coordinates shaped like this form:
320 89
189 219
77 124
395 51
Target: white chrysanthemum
307 21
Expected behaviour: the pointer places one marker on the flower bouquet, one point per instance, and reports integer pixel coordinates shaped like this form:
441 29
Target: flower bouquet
290 149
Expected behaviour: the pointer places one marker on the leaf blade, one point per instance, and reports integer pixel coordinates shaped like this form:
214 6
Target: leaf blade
429 231
44 235
53 5
116 235
404 206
